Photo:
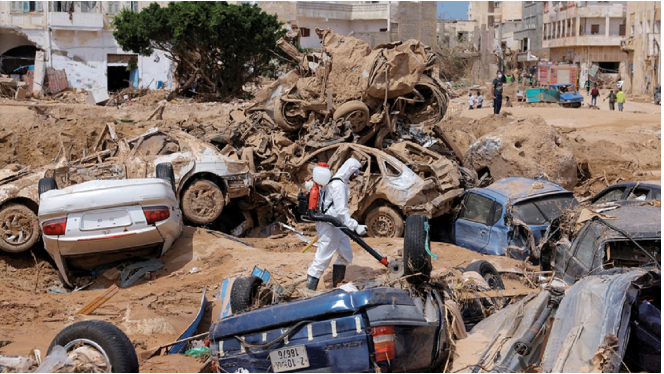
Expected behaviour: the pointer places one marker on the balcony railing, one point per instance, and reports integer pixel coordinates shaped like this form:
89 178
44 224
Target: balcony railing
342 11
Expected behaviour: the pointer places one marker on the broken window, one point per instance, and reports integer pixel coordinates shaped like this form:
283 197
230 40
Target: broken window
63 6
391 170
585 250
476 208
612 195
305 32
624 253
594 29
638 194
543 210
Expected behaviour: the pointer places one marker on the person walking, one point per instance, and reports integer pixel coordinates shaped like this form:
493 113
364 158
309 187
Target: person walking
497 91
620 98
612 100
587 87
331 240
479 100
594 93
471 101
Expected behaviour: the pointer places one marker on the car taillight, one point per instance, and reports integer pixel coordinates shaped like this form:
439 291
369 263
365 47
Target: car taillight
156 213
54 226
383 339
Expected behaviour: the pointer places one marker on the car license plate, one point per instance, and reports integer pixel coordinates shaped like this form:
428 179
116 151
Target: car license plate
105 220
291 358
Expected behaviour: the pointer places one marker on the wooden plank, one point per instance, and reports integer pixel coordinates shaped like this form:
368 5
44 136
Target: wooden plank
467 295
99 300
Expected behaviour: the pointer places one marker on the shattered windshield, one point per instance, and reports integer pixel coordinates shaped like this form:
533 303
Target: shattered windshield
541 211
624 253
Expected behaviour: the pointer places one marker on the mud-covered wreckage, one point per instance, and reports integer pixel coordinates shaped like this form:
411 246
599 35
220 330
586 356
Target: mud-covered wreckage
379 104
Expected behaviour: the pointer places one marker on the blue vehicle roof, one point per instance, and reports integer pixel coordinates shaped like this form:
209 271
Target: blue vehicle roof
561 84
516 189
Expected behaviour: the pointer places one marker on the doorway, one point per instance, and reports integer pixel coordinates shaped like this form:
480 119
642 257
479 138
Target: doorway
118 78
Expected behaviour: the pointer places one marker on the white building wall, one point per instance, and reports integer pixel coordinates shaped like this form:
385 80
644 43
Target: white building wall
312 41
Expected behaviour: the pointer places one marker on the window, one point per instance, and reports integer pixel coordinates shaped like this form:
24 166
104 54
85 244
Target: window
383 29
631 30
543 210
585 249
594 29
476 208
89 6
621 30
26 6
305 32
613 195
112 7
63 6
638 194
391 170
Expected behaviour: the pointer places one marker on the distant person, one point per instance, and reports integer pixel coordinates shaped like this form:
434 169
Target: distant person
471 101
612 100
508 104
587 85
479 100
594 93
497 92
620 98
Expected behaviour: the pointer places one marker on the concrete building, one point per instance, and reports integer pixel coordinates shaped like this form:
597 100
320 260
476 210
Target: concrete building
375 22
75 36
642 46
586 33
529 36
456 34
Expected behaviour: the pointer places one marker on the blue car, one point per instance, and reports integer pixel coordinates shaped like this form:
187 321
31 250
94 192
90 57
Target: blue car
569 97
510 216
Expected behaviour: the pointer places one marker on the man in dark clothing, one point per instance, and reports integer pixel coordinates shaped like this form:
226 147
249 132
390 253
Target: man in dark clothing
497 91
594 93
587 87
612 100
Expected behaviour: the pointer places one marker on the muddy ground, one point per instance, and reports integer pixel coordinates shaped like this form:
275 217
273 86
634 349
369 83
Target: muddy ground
615 147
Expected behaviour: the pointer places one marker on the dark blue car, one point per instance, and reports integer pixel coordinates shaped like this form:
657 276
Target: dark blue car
378 329
569 97
510 216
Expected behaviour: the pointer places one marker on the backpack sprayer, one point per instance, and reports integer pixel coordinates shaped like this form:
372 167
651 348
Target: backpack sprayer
309 207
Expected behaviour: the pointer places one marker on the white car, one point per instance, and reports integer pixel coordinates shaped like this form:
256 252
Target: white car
103 221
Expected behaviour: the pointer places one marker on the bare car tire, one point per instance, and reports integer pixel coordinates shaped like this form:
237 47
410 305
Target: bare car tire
103 337
416 259
19 228
46 184
165 171
354 111
384 222
488 272
244 293
202 202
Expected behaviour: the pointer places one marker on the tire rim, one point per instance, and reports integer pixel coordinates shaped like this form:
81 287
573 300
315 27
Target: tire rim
491 281
357 120
383 226
76 343
16 229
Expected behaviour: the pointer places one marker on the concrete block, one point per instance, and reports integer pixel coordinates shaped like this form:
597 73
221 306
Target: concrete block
20 93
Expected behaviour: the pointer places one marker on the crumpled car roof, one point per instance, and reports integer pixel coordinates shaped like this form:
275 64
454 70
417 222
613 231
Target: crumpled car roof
518 188
639 221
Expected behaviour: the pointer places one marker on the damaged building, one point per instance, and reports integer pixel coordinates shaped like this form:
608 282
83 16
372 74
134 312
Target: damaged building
40 39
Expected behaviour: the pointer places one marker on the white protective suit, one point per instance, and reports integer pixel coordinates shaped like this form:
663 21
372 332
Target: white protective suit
334 199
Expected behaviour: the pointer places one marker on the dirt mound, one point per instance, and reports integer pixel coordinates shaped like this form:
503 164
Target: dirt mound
526 147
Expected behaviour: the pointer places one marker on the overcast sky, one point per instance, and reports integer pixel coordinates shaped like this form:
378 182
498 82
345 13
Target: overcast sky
454 9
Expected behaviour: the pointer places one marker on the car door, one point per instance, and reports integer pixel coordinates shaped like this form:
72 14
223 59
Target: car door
471 228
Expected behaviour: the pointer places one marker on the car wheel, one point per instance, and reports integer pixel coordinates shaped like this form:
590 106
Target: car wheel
46 184
356 112
202 202
488 272
165 171
244 293
105 342
416 258
283 120
384 222
19 228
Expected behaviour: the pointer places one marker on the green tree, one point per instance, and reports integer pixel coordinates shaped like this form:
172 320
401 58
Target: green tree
219 46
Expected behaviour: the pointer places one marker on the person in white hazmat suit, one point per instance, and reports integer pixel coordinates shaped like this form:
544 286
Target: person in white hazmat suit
334 202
